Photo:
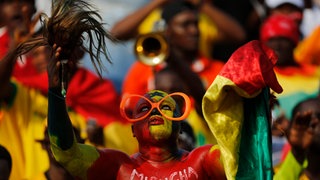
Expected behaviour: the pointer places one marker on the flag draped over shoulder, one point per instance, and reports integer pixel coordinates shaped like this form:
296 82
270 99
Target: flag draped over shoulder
236 108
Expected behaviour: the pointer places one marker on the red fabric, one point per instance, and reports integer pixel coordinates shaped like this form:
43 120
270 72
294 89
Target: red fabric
260 60
279 25
139 75
92 97
38 81
4 43
285 150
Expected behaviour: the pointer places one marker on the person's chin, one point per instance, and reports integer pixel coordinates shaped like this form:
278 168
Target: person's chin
160 132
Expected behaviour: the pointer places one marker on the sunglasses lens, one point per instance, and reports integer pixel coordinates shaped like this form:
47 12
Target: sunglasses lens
173 107
136 107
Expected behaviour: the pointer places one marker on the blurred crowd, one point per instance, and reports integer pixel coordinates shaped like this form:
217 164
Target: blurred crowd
198 47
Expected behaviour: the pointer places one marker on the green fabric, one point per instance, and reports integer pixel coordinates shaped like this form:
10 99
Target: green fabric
9 101
255 158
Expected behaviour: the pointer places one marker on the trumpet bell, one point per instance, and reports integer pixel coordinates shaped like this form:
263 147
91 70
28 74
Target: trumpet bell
151 49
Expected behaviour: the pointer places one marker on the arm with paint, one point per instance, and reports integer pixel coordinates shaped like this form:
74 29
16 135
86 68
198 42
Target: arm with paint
81 160
20 34
63 142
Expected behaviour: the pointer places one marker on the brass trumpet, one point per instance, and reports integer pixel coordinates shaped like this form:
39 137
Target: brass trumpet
151 48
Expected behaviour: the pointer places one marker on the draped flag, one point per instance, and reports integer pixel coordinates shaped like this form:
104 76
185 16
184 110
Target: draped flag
236 108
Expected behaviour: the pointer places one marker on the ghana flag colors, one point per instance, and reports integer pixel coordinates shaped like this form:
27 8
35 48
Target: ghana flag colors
236 107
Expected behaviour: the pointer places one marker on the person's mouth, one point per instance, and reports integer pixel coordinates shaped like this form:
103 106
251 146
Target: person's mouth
17 17
156 120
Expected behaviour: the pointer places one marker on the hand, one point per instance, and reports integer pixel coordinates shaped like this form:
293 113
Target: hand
280 126
25 30
300 134
53 67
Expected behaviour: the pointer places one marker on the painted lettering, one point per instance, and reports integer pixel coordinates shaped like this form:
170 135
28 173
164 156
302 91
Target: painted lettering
184 174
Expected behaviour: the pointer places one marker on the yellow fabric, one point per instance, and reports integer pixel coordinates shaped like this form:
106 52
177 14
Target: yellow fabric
225 97
308 50
298 82
303 177
40 176
296 87
21 124
207 28
119 136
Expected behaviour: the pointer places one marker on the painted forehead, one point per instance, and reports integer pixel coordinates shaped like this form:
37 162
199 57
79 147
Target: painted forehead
155 95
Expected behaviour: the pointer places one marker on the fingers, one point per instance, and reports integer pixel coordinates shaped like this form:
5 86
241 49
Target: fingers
55 53
302 120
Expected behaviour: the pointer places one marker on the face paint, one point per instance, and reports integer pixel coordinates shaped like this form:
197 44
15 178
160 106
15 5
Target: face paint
161 131
174 107
161 128
154 114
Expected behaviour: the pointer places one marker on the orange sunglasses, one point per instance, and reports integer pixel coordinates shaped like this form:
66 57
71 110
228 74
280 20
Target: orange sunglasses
136 107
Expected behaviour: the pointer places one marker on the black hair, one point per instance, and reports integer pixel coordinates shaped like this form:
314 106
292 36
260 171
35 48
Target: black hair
186 127
175 7
4 154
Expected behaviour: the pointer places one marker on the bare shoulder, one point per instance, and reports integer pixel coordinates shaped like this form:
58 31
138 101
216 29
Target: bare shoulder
201 151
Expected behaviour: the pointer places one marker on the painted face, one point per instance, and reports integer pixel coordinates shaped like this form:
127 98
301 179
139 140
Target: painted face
175 106
183 31
155 126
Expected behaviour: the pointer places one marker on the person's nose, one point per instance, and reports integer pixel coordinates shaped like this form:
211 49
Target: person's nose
155 111
194 30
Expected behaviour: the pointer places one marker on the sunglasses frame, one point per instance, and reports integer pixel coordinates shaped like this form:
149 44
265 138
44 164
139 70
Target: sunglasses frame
156 105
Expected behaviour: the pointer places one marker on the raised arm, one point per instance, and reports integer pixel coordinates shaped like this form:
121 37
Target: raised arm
6 68
20 34
127 28
8 62
74 157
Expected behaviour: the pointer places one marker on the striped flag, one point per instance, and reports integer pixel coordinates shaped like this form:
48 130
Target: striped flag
236 108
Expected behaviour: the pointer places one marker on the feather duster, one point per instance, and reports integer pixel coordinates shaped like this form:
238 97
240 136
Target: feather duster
71 23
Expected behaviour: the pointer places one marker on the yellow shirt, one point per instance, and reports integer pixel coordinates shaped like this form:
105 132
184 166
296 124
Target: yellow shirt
21 123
